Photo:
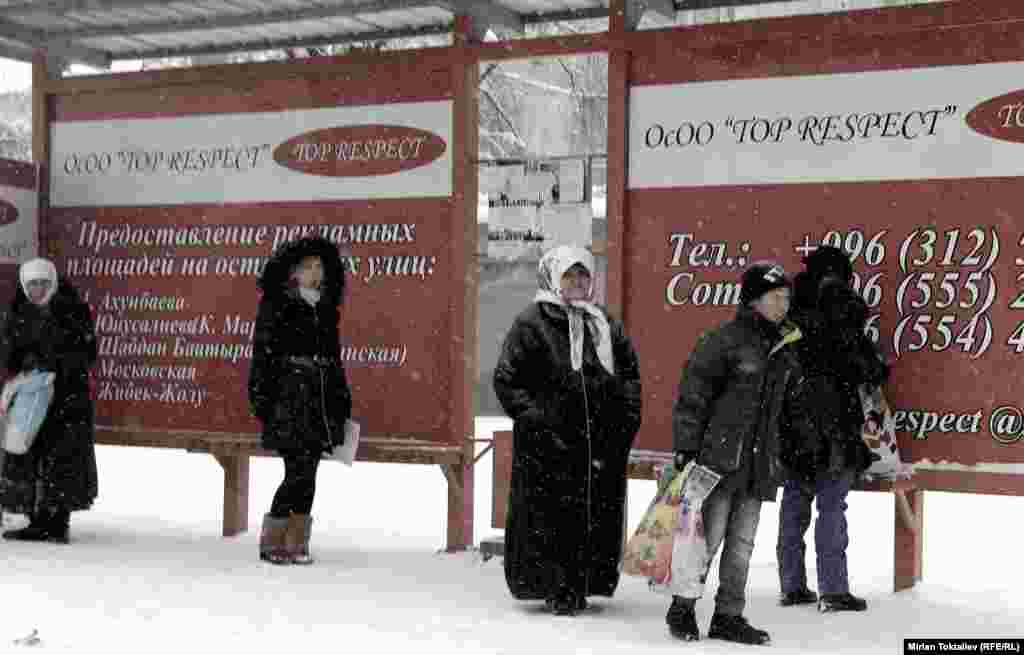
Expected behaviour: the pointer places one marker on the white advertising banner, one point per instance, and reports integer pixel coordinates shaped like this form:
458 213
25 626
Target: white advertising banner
19 224
922 123
535 206
400 150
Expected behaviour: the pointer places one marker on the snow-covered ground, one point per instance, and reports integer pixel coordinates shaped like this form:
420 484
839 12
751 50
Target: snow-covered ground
148 573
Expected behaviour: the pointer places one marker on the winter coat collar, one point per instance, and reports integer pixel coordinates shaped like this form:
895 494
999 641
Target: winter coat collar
790 334
779 335
294 297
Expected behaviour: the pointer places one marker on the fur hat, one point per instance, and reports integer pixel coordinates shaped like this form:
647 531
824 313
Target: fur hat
828 260
761 278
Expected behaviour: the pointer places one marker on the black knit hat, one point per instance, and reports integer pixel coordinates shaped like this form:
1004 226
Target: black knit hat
761 278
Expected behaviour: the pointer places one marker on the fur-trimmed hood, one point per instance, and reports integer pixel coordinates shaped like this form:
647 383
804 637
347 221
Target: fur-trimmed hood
278 269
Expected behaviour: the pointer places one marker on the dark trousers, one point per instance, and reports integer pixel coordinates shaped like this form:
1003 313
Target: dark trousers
295 494
830 533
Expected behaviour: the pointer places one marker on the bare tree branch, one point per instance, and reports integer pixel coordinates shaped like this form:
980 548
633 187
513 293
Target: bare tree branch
501 113
490 69
568 73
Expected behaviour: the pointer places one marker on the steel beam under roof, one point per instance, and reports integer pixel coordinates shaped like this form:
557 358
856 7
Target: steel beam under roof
239 20
97 32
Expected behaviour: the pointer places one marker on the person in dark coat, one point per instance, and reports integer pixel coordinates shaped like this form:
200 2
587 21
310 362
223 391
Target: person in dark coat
570 379
49 328
734 399
297 384
837 358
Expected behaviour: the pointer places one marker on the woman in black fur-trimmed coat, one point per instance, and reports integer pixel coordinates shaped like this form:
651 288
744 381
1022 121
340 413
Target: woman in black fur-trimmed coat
569 377
50 328
297 384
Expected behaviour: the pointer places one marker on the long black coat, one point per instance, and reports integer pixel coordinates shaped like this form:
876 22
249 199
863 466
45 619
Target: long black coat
297 383
59 470
572 436
734 400
836 358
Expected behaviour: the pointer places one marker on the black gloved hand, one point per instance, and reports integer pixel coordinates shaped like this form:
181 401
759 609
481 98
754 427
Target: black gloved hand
684 457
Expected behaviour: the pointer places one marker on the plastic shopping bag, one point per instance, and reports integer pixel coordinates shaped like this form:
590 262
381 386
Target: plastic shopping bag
879 433
346 452
25 399
668 547
648 552
689 547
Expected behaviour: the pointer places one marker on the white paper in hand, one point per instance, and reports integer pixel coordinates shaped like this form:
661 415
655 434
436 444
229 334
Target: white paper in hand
346 453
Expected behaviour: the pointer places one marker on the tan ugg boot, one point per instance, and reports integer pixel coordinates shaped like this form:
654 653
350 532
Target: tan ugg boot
297 538
273 548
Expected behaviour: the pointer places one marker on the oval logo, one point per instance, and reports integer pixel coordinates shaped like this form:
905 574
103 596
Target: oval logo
8 212
360 150
1000 118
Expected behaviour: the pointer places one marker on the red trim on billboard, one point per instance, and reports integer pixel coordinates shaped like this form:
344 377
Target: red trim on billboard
253 96
691 55
19 174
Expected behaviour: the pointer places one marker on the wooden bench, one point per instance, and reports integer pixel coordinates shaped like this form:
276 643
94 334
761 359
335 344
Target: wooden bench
645 464
233 450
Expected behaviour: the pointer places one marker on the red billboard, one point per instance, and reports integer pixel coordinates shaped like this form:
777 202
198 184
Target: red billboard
908 157
165 203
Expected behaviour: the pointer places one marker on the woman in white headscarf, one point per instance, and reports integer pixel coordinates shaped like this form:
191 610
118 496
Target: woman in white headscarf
50 329
570 379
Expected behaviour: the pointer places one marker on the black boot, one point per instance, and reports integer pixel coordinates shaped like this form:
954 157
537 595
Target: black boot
799 597
36 530
682 620
58 527
841 603
736 629
564 603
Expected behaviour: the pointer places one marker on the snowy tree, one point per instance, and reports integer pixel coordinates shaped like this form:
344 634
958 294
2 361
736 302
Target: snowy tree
16 125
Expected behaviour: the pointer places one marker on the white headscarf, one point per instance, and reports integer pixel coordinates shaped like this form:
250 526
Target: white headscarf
553 266
38 269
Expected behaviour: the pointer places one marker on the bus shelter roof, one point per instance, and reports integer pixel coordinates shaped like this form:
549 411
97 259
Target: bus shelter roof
100 32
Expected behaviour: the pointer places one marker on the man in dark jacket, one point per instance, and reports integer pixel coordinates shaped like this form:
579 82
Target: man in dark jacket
836 358
727 417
